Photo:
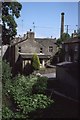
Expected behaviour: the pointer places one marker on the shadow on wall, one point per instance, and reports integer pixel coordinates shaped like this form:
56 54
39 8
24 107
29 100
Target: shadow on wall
28 69
58 57
6 55
17 67
68 77
79 68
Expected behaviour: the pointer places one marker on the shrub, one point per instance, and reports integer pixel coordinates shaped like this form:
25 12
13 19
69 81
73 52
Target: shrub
6 78
26 101
34 102
20 91
35 62
7 113
6 71
23 84
40 85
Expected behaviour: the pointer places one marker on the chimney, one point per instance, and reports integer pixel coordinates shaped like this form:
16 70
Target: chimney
62 24
30 35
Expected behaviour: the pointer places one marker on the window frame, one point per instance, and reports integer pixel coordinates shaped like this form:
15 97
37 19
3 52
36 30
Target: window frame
76 48
50 49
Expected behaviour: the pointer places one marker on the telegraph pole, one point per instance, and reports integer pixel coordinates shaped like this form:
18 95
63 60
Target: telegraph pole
33 27
22 26
67 28
77 28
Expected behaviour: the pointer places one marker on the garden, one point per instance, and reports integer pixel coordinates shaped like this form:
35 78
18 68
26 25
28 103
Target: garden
23 95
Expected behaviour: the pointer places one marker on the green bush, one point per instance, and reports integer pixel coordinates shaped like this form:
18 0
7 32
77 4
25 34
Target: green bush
20 93
35 62
7 113
6 78
6 71
40 85
23 84
6 82
34 102
26 101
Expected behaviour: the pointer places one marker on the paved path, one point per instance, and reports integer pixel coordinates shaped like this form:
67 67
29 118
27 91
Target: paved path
50 75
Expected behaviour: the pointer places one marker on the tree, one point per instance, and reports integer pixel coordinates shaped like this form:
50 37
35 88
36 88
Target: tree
10 11
35 62
65 36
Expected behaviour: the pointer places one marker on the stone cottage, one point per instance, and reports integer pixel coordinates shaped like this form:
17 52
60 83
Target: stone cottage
21 50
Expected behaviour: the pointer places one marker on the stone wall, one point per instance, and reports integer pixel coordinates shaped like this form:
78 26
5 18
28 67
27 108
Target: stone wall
47 70
68 77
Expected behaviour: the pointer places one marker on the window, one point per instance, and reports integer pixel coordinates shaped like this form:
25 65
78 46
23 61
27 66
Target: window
66 48
75 57
19 50
76 48
50 48
67 58
41 50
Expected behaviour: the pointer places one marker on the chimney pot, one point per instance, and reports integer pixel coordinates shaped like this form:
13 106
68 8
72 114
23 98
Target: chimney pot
62 13
30 35
74 31
30 30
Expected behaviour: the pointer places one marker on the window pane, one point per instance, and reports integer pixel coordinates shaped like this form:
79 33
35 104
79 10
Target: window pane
19 50
50 48
41 50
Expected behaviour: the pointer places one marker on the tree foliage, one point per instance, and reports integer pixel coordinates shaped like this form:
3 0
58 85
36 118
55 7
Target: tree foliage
10 11
35 62
65 36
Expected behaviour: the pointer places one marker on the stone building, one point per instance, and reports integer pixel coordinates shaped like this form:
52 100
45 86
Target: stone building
21 50
67 72
71 48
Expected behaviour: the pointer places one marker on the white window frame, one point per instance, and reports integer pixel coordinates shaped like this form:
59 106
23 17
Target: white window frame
51 49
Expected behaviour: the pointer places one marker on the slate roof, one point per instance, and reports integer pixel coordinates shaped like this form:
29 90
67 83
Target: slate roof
72 40
45 41
39 40
29 56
